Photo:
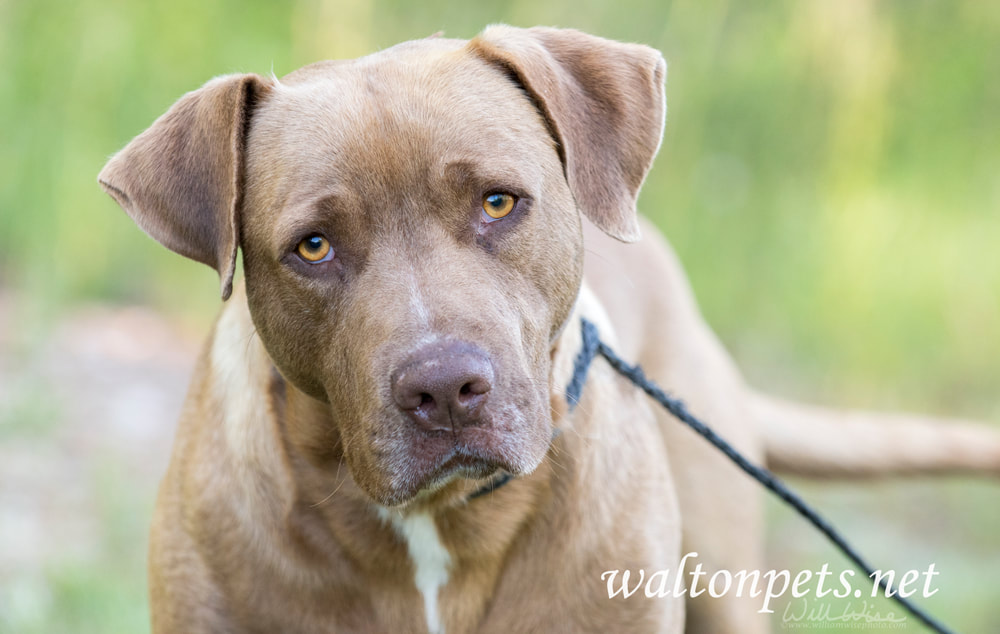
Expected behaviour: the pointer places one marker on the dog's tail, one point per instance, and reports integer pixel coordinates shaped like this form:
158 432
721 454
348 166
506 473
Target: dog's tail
826 443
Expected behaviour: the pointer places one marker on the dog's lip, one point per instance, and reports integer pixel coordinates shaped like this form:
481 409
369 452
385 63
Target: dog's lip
460 462
411 465
423 482
464 463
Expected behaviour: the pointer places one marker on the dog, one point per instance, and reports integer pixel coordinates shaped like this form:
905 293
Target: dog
376 437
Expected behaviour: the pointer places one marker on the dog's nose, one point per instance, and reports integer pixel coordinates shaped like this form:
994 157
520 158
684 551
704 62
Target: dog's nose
444 387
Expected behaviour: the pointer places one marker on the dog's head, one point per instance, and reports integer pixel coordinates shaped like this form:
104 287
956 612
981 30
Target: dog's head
410 228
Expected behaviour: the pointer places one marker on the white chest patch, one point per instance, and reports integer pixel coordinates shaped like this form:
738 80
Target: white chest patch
430 559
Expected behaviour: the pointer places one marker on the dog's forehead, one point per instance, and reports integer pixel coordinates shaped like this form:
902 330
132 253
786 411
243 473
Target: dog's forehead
397 111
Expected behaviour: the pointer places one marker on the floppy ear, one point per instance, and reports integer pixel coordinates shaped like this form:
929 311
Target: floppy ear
182 179
604 103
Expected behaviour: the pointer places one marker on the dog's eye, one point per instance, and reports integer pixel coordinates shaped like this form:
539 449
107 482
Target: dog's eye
315 249
497 205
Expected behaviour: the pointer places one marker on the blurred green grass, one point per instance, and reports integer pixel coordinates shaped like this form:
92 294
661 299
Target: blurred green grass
97 592
828 176
828 173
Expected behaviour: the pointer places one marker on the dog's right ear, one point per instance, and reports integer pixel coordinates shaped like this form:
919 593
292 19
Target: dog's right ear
182 179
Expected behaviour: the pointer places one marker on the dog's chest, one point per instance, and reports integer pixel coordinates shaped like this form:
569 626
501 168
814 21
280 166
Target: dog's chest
430 558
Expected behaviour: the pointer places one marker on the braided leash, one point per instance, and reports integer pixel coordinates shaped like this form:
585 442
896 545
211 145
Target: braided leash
593 346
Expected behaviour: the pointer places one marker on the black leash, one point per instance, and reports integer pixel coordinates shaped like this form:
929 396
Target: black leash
593 346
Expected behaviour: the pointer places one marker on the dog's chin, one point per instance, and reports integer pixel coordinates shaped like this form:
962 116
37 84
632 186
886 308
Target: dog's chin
410 465
417 487
456 473
452 473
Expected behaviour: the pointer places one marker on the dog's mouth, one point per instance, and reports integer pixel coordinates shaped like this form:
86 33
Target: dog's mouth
460 461
454 469
399 457
432 464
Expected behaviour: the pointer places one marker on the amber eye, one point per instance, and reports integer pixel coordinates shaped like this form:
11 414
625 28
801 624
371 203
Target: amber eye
315 249
498 205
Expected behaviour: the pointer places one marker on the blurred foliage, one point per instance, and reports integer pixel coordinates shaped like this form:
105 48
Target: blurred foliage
829 175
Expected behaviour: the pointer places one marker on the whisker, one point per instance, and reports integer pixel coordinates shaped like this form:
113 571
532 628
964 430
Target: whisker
332 493
620 271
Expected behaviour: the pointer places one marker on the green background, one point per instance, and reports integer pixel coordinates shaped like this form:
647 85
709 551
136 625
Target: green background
829 177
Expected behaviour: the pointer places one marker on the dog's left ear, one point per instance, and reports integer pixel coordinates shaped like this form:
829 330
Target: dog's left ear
604 102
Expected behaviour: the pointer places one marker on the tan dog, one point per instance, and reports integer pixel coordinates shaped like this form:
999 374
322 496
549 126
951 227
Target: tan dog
413 254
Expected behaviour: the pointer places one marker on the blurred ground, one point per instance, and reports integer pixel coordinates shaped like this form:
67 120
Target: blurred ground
87 414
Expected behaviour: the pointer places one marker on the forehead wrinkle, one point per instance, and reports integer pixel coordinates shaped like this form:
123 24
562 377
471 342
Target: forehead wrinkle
310 214
383 127
464 175
419 90
434 102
